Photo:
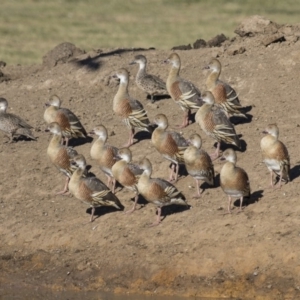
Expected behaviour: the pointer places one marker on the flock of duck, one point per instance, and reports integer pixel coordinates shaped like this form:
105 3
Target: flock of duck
214 108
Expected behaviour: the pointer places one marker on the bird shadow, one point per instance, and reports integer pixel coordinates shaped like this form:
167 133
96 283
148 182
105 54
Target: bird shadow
80 141
21 138
158 98
173 209
238 120
216 182
246 109
182 172
294 172
103 210
254 197
142 135
192 117
91 63
141 200
225 146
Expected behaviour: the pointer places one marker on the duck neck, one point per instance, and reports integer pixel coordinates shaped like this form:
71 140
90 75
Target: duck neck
145 177
75 178
121 94
142 70
212 79
97 147
56 140
173 75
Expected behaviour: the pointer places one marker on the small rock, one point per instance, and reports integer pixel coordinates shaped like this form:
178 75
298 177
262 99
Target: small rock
182 47
275 38
256 25
217 40
236 50
199 44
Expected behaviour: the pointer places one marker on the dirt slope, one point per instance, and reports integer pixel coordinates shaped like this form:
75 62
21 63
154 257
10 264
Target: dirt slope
46 240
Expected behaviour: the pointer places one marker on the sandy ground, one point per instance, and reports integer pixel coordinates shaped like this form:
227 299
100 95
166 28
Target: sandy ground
46 240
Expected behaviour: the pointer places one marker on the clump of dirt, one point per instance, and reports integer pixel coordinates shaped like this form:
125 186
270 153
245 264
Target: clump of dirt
62 53
47 241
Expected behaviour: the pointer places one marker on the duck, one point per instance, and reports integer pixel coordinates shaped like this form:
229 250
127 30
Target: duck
60 155
127 173
215 123
68 121
170 144
224 94
275 155
104 154
182 91
234 180
158 191
149 83
90 189
130 110
12 125
198 163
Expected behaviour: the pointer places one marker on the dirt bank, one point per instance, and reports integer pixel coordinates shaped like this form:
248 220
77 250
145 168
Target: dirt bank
46 240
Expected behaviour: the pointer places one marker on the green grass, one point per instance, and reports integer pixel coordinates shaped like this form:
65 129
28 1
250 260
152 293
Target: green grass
30 28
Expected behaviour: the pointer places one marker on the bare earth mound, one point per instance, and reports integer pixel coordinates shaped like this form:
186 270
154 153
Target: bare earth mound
46 240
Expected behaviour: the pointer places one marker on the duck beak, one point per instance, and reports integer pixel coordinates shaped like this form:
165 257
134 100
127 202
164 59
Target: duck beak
91 133
133 62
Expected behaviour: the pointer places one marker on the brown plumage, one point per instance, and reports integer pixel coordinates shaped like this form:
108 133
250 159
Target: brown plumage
215 123
234 180
182 91
127 173
105 155
90 190
198 163
149 83
275 155
158 191
68 122
60 155
12 125
170 144
130 110
224 94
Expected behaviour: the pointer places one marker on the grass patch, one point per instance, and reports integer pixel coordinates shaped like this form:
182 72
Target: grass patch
30 28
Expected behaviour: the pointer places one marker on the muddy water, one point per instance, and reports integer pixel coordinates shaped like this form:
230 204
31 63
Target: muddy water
21 292
24 295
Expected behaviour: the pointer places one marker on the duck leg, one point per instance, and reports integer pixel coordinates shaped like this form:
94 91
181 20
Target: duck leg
130 139
241 205
158 219
216 154
65 190
229 205
113 186
198 194
134 205
176 170
109 180
185 121
278 185
172 171
272 183
92 214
